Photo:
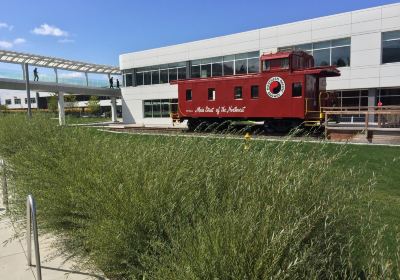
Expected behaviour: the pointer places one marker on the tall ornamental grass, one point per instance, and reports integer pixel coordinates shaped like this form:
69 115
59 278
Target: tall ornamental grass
152 207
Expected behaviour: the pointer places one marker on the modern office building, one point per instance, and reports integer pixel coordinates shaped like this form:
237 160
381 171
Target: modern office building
364 44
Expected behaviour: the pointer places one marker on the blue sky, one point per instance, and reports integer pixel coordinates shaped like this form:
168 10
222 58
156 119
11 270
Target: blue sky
98 30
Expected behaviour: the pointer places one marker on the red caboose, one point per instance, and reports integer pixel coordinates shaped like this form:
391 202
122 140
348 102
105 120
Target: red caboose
286 93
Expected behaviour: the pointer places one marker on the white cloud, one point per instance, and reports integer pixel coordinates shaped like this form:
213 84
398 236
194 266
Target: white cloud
49 30
72 75
19 41
11 44
6 26
6 44
64 41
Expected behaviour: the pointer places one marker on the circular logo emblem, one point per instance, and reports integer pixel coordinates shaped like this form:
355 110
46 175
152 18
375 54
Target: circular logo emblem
275 87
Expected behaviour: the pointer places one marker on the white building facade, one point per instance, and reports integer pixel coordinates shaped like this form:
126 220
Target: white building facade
364 44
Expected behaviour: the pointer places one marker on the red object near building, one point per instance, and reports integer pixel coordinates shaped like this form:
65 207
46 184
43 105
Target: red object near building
286 91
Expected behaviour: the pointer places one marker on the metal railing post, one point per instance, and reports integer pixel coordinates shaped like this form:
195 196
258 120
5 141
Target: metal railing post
4 185
31 221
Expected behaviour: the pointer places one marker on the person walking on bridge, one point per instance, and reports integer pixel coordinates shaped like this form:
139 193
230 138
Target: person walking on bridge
112 82
117 83
35 74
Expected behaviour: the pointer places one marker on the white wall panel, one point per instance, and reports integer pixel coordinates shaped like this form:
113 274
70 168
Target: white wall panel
392 23
340 31
391 11
366 15
366 41
365 58
331 21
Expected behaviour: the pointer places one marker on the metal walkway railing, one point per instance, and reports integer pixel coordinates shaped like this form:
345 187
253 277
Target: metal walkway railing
31 221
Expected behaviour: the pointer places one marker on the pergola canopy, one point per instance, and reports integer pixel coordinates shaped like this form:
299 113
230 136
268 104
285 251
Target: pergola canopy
59 63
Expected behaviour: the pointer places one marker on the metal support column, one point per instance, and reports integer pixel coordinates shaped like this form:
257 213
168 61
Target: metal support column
28 89
56 72
31 221
87 79
37 101
4 184
372 92
61 108
114 109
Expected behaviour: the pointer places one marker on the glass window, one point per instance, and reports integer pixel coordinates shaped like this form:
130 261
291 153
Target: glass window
17 101
240 56
173 74
148 109
217 69
33 100
391 35
156 104
147 78
8 101
238 93
155 77
241 66
182 73
139 79
253 54
304 47
391 47
228 68
165 110
163 76
206 71
211 94
229 57
188 94
128 80
267 65
253 65
322 57
341 56
322 45
341 42
254 92
297 90
285 63
196 71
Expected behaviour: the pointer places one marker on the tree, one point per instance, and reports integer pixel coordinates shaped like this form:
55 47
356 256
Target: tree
52 104
70 101
3 108
94 105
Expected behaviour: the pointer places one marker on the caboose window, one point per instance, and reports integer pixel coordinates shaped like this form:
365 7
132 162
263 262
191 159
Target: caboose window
211 94
238 93
281 63
188 94
254 92
297 90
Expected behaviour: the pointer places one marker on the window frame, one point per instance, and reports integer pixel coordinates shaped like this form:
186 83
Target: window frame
235 92
301 88
388 40
213 92
191 94
251 92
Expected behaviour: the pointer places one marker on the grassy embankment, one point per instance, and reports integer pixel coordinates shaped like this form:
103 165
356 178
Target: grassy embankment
188 208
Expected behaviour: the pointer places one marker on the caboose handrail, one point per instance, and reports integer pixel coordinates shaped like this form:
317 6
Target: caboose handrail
31 221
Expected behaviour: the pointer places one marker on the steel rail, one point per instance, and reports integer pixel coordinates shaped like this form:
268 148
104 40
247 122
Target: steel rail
31 221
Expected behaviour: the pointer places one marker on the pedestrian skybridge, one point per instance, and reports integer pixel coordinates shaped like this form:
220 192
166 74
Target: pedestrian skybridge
59 76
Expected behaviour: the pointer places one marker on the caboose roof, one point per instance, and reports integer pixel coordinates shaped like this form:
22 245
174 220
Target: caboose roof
322 71
275 55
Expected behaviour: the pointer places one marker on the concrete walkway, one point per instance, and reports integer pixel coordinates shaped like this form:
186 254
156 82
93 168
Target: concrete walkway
13 263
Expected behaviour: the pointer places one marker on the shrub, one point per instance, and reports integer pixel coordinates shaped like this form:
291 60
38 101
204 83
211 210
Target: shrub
194 208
